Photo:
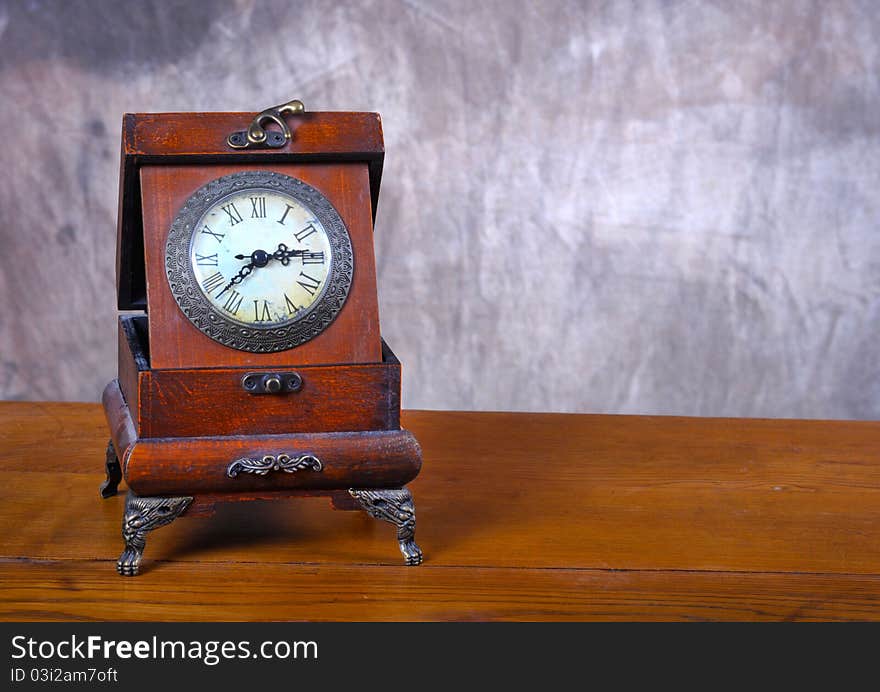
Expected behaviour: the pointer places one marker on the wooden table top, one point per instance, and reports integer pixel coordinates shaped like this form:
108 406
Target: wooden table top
521 517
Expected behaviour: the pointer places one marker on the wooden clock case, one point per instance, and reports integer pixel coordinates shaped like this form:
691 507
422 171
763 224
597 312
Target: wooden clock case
185 432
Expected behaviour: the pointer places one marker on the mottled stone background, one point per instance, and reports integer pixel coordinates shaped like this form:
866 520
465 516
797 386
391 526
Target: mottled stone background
664 207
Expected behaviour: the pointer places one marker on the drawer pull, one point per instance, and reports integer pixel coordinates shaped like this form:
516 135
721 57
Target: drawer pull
283 462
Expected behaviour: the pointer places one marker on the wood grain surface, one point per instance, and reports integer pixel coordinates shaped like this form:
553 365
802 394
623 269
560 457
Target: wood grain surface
201 134
521 516
188 403
193 465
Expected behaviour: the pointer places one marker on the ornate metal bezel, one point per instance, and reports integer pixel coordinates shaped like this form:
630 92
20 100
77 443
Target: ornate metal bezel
211 321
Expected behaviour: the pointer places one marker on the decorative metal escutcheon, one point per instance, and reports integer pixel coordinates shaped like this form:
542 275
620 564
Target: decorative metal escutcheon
282 462
271 382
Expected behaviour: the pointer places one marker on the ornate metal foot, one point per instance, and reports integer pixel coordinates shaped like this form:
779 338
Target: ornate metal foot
143 514
114 473
397 507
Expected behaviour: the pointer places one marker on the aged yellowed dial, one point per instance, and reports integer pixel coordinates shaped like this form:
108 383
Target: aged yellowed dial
261 256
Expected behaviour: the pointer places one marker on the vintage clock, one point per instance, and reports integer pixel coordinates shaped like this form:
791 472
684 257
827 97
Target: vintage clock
251 365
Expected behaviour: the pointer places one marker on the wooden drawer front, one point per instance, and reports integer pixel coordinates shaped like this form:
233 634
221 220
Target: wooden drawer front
212 402
202 465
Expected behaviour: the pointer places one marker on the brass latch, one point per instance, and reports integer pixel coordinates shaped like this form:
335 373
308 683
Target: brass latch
256 136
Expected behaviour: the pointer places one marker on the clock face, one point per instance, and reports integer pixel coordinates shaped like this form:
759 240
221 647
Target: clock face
259 261
261 256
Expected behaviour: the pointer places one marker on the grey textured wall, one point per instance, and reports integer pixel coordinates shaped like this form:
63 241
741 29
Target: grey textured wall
665 207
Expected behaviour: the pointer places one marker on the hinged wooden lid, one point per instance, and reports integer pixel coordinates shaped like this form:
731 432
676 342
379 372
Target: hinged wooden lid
185 138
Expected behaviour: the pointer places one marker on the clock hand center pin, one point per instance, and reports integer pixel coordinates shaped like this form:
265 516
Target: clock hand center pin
258 258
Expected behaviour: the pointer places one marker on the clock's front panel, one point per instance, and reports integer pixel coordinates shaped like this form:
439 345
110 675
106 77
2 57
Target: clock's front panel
272 266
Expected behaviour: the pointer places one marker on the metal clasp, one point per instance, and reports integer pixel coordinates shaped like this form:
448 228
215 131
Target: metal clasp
258 136
271 382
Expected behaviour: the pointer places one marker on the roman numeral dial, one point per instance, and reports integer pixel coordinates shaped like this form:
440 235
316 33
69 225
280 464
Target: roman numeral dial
258 207
261 311
261 257
232 212
305 233
233 302
309 283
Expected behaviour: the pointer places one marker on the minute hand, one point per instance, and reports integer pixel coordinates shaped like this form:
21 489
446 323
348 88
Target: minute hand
238 278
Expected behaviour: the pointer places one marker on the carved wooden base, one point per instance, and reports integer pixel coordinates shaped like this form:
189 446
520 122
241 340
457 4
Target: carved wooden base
396 507
114 472
143 514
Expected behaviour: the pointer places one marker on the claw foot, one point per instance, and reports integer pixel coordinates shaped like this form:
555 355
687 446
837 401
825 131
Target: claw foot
396 507
129 563
143 514
412 554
